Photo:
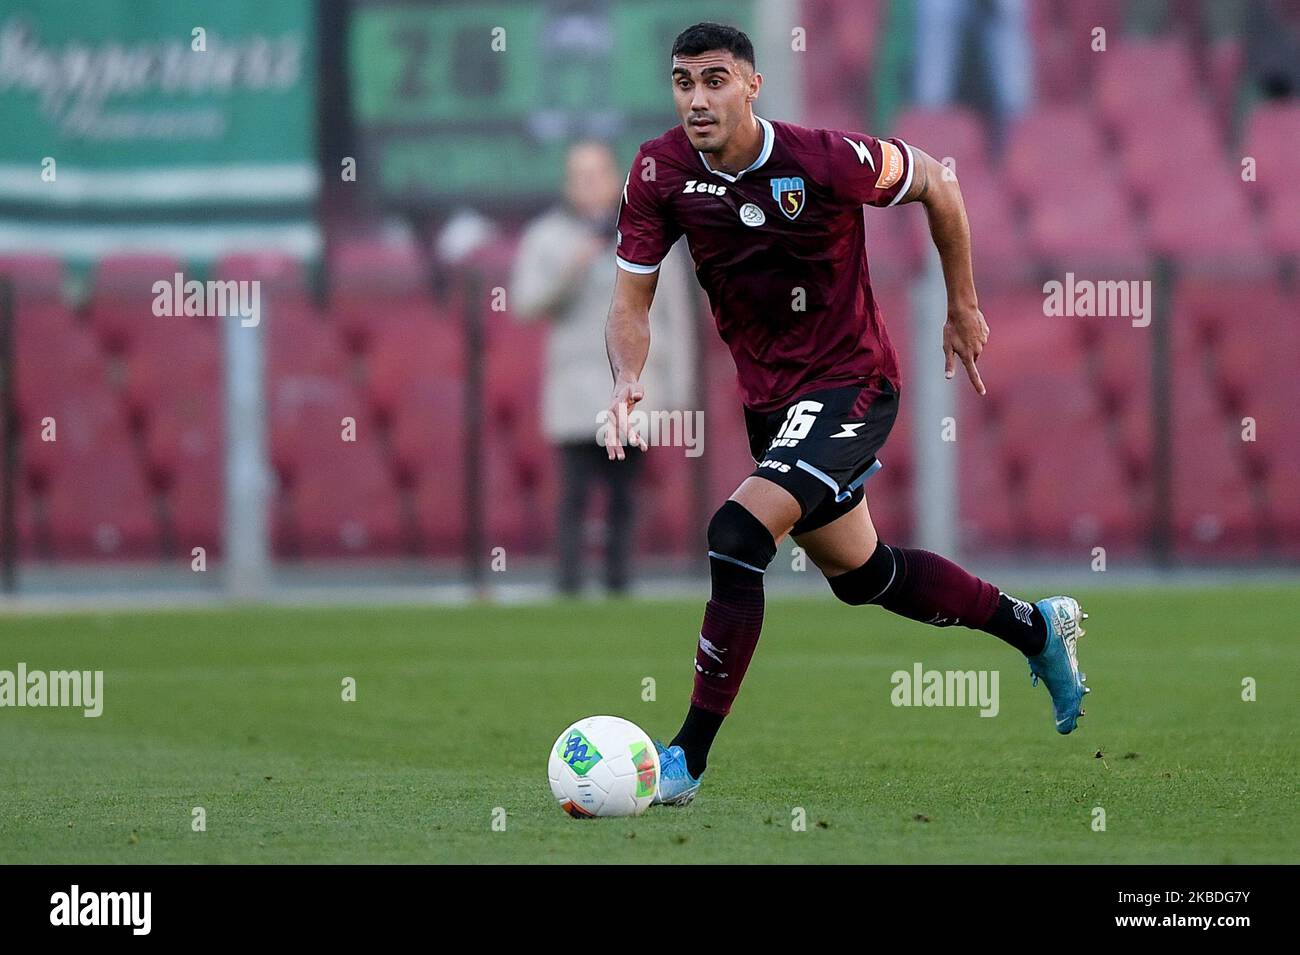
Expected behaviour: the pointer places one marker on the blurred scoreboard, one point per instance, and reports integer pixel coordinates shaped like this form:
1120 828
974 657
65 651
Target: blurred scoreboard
461 102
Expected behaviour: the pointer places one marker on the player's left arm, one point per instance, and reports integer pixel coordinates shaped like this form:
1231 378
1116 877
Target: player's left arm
965 333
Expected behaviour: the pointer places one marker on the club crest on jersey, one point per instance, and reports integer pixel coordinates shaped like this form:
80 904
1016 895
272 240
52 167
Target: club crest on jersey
789 194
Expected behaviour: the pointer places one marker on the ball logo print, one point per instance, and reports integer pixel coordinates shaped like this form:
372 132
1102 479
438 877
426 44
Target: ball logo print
603 766
579 755
643 758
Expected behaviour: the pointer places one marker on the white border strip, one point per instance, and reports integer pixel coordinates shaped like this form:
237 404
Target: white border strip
241 182
299 239
627 266
738 563
907 183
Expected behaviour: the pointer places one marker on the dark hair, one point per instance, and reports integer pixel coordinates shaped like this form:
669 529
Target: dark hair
704 37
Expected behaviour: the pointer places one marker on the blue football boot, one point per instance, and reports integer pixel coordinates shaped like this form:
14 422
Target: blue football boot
1058 664
677 787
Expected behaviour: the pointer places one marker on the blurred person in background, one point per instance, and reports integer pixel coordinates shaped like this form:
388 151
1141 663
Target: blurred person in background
1001 33
1272 48
565 272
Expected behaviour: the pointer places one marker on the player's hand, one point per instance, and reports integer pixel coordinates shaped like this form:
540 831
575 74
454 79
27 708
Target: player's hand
964 336
626 395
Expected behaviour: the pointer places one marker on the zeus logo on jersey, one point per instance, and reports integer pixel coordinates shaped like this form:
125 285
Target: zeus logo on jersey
697 187
789 194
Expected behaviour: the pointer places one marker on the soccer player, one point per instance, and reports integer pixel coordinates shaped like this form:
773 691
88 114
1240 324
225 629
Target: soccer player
772 211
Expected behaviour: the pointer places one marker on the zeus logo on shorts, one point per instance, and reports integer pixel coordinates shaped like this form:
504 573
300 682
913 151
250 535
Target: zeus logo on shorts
799 420
776 466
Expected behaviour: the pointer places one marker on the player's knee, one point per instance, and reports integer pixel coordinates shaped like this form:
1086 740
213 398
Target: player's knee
738 536
868 583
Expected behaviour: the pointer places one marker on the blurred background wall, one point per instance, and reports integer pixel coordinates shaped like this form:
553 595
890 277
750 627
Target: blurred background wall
372 165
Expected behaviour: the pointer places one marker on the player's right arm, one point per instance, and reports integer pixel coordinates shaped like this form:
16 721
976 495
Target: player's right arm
627 342
965 333
646 231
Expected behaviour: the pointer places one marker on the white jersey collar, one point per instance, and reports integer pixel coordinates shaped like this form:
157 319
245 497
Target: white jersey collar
769 137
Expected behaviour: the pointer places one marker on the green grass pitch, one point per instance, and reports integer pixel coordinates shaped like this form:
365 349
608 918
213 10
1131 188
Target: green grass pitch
241 712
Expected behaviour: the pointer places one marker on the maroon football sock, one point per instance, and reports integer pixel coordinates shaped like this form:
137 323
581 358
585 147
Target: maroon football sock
733 620
934 590
740 548
923 586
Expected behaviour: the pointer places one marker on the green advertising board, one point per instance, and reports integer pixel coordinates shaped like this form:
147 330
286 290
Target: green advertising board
475 101
120 111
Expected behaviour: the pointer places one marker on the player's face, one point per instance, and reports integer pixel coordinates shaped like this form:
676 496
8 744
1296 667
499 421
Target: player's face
712 92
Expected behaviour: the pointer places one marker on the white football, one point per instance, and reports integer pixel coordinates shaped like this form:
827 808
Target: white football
603 766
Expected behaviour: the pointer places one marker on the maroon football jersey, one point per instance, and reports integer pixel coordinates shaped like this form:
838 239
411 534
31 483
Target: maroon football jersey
779 248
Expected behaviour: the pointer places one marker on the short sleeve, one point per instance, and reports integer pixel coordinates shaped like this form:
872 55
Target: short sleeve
645 228
870 171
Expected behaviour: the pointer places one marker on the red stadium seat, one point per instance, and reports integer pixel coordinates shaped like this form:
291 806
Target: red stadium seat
1214 514
122 299
1271 134
172 393
1281 223
1040 372
663 500
336 496
1141 77
358 312
514 372
1207 226
726 448
1061 32
1053 144
1000 251
429 458
33 276
377 267
279 274
1179 143
407 350
84 495
416 390
955 132
1280 489
1084 222
895 240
